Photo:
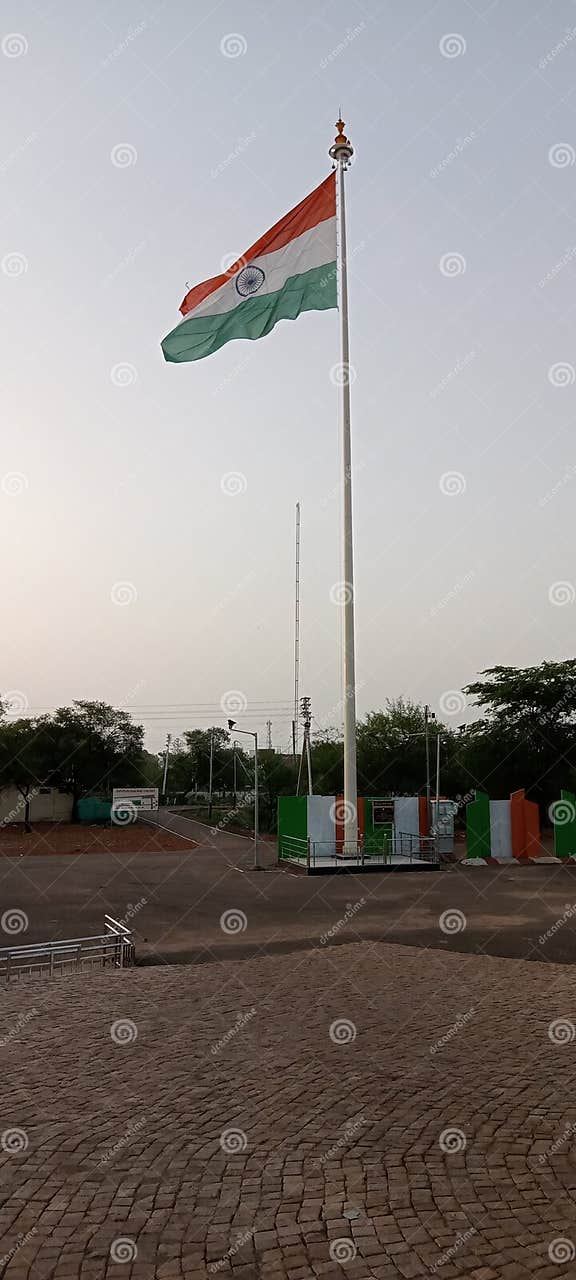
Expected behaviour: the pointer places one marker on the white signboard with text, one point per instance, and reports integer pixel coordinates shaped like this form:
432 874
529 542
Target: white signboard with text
135 797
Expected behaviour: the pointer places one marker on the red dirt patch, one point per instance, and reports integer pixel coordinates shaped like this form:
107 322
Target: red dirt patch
71 838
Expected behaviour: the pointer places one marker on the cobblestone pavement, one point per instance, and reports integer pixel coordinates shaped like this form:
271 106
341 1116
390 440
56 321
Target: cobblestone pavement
355 1111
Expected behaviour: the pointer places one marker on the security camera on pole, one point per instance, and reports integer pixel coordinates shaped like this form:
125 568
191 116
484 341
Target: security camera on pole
341 152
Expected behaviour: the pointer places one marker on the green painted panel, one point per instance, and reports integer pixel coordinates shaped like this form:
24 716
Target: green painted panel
377 836
478 841
91 809
368 818
292 825
564 816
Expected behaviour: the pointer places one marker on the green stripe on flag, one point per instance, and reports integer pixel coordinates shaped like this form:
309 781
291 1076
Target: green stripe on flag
199 336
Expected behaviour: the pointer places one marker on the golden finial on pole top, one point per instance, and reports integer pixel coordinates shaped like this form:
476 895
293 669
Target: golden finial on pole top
341 148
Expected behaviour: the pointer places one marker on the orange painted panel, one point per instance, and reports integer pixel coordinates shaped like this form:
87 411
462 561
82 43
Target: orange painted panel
525 824
518 823
423 823
339 824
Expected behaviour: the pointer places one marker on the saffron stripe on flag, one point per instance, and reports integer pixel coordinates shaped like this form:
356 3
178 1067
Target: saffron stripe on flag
315 208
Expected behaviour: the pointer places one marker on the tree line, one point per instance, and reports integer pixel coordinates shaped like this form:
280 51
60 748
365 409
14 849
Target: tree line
88 748
524 736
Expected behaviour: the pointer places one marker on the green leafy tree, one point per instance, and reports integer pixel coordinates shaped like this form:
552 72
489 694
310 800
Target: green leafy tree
327 754
391 751
189 765
527 736
95 748
198 748
27 759
151 770
276 777
183 770
391 747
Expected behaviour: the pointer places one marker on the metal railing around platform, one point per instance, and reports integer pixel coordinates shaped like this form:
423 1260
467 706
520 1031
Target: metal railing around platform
293 849
347 853
404 847
416 848
112 949
316 853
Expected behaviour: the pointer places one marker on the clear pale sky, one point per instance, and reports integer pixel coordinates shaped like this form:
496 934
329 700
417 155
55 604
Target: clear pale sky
142 145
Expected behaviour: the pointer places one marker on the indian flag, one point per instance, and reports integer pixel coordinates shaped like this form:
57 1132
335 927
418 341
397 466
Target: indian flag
292 268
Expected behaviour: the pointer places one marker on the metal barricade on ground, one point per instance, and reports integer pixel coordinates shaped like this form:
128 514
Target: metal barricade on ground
112 949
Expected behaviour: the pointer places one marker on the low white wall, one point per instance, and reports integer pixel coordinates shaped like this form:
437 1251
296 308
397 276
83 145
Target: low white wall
46 805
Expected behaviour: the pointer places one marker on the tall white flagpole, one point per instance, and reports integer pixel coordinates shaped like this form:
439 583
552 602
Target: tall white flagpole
297 634
341 152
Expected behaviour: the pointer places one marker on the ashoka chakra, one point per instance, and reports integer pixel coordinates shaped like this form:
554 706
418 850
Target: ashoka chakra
249 280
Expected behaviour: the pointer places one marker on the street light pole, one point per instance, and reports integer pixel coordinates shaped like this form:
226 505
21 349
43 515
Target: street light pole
166 755
426 713
256 833
438 741
428 716
251 734
437 814
211 774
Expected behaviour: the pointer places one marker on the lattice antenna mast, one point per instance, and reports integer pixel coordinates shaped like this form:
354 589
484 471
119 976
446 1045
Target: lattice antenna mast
306 715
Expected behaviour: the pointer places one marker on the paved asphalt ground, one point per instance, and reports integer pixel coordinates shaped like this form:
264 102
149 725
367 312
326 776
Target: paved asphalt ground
178 903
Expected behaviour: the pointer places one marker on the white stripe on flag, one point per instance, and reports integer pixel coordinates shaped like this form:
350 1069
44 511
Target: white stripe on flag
312 249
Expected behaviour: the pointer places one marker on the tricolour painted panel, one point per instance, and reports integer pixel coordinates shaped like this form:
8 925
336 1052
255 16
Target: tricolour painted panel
525 822
407 823
518 823
500 829
443 824
292 823
478 827
321 822
339 819
377 835
407 815
564 817
423 816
